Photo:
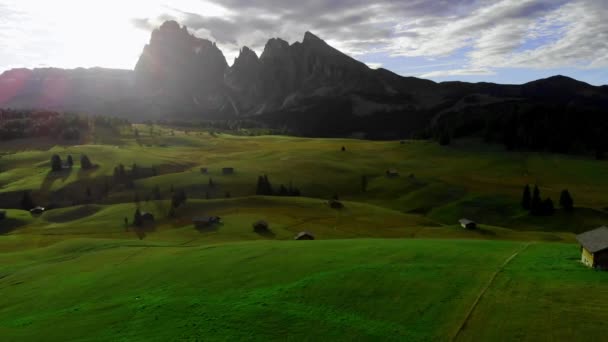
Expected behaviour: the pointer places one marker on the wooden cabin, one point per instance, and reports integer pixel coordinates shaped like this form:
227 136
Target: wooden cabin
304 236
37 211
228 170
206 221
467 224
594 248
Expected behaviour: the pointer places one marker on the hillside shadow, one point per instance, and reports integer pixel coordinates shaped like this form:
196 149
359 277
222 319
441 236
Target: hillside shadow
8 225
86 174
143 231
53 176
208 228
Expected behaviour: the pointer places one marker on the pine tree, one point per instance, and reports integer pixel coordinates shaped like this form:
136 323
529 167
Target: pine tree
536 205
26 201
156 193
445 138
566 201
56 163
137 219
283 190
547 207
85 162
526 201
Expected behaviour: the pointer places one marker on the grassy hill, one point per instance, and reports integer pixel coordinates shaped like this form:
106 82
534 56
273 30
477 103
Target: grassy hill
393 264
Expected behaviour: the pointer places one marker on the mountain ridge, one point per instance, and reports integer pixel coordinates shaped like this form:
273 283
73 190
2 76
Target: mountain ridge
308 86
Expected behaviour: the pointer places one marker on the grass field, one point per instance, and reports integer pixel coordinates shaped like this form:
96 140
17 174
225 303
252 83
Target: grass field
393 264
323 290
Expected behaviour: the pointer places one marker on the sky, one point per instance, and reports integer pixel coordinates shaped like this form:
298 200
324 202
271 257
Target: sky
502 41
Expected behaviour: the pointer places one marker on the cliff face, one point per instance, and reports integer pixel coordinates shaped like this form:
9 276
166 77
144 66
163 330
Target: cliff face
178 69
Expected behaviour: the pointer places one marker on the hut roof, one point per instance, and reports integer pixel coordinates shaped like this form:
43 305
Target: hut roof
595 240
466 222
301 234
147 216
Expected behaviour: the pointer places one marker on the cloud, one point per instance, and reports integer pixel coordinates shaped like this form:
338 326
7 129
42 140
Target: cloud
496 33
374 65
458 72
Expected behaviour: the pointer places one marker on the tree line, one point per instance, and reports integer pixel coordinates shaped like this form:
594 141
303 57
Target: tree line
533 202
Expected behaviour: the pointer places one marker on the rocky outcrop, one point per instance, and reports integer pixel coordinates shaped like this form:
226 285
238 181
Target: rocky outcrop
179 69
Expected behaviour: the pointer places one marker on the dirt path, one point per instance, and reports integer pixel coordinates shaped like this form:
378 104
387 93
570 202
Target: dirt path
485 289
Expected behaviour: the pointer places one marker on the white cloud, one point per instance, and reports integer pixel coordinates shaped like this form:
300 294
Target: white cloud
480 35
457 72
374 65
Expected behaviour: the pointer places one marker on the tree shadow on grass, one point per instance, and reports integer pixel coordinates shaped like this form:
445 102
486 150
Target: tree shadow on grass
143 231
8 225
208 228
53 176
86 174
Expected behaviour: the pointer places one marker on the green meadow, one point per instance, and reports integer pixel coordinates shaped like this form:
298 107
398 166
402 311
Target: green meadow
393 264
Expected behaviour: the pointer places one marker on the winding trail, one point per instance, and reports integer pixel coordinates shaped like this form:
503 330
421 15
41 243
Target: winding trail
485 289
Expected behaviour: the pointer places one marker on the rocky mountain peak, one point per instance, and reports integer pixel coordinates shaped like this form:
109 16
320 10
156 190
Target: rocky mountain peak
275 47
310 37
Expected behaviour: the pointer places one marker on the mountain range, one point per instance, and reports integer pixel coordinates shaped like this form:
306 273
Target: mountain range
308 87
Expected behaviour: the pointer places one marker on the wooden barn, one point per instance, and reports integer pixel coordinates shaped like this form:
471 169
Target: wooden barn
467 224
594 248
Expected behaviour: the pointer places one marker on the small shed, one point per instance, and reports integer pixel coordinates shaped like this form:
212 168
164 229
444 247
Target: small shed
467 224
37 211
206 221
392 173
204 170
2 215
228 171
147 218
304 236
594 248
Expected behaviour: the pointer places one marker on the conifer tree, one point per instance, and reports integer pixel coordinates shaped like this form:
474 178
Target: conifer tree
56 163
526 201
536 205
566 201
